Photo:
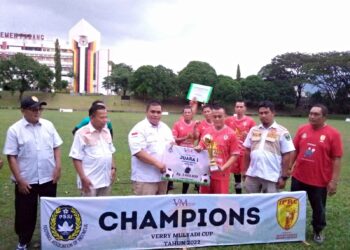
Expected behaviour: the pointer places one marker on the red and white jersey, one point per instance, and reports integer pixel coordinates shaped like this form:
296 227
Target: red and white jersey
182 129
241 127
202 126
225 145
315 151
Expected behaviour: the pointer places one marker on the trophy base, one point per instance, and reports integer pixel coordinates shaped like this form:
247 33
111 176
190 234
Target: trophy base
214 168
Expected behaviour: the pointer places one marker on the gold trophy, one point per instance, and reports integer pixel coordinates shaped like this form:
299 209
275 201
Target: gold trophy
210 144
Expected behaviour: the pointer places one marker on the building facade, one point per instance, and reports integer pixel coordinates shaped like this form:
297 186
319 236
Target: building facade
80 55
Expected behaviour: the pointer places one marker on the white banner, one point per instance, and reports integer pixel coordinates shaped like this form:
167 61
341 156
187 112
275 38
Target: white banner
171 221
186 165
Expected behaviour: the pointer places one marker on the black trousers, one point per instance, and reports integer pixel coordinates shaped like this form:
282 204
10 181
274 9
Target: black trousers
317 197
26 209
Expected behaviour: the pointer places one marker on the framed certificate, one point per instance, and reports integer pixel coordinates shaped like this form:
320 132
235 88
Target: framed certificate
200 92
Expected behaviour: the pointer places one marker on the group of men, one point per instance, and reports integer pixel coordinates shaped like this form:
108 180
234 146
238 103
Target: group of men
33 152
265 155
262 156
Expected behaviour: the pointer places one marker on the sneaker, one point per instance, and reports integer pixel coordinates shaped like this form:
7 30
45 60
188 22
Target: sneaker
21 247
318 238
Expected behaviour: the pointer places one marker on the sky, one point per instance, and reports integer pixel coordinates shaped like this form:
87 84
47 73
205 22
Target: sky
223 33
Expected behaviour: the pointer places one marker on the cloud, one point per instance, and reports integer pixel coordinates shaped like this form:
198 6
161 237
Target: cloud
172 33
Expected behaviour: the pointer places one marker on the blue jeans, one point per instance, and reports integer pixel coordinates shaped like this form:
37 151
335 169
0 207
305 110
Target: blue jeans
317 197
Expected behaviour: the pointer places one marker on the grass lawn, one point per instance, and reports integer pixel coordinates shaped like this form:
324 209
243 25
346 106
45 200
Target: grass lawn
338 207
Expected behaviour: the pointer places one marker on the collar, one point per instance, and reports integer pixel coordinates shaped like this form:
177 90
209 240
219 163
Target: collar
273 125
92 129
26 123
151 125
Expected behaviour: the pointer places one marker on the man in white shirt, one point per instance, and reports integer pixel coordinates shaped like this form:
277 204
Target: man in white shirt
92 154
268 151
147 142
33 153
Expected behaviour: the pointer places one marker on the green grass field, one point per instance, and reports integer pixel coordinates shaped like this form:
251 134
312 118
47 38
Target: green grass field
338 208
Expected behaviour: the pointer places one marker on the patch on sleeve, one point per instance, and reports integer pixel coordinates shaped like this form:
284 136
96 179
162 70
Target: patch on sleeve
287 136
135 133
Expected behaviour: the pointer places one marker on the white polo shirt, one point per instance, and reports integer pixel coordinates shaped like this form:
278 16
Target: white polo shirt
95 149
152 139
266 148
33 145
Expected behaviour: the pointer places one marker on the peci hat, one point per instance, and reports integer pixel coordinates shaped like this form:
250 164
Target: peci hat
31 102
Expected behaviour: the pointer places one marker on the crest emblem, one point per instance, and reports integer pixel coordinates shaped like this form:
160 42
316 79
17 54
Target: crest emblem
65 223
287 212
322 138
35 99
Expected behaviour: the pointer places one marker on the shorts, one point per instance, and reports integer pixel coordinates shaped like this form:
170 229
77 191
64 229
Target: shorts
216 186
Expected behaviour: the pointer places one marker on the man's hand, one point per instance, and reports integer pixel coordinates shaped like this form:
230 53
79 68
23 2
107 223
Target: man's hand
198 148
56 175
23 187
162 168
86 184
281 183
332 188
113 174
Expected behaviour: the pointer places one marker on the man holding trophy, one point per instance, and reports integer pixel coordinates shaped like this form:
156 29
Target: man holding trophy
223 150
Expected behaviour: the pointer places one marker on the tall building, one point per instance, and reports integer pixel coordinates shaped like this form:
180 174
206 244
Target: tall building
38 47
81 55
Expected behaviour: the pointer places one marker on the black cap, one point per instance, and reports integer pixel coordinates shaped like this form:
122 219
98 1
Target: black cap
31 102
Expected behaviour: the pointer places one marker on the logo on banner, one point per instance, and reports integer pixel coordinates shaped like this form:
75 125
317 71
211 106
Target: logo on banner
65 226
287 212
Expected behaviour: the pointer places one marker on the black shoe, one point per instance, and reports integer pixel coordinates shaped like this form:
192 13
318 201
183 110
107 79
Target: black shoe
318 238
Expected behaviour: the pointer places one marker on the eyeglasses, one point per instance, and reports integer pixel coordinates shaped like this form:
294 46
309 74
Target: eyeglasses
35 109
155 112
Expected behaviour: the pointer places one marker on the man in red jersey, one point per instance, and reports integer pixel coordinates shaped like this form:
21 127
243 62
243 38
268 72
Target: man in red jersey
226 152
206 122
202 126
317 164
184 134
241 124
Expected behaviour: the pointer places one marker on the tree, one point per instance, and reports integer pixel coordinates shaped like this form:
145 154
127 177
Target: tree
238 73
167 83
119 78
44 77
289 69
330 72
196 72
154 82
58 66
226 91
255 90
21 73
